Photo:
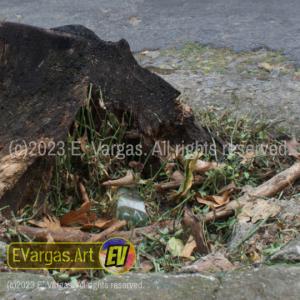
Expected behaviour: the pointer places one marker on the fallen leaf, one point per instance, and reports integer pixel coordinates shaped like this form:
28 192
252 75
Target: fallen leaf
214 201
187 183
175 246
49 222
99 224
189 247
214 262
81 216
127 180
293 148
258 209
191 222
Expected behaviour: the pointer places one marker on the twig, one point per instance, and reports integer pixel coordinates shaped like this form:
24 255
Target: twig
278 182
273 186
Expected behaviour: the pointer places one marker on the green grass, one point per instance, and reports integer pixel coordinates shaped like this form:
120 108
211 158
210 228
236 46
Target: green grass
93 169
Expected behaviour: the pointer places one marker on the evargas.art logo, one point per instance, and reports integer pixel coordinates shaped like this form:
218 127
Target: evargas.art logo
117 255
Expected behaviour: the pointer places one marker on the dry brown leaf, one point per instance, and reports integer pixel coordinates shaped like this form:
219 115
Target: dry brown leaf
189 247
258 209
49 222
51 230
127 180
220 200
99 223
191 221
81 216
293 148
214 262
215 201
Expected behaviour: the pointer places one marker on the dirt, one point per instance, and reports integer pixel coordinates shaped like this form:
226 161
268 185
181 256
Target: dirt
263 84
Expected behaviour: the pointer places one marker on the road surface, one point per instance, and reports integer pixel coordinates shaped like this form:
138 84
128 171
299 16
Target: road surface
152 24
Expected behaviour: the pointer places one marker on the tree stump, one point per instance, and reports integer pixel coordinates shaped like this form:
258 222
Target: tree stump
45 77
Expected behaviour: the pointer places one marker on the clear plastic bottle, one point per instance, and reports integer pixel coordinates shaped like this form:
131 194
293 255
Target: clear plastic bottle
131 207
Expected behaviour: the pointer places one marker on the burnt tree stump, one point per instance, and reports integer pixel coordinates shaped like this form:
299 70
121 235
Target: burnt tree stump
45 76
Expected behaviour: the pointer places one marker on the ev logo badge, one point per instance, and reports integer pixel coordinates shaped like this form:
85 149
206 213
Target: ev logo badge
117 255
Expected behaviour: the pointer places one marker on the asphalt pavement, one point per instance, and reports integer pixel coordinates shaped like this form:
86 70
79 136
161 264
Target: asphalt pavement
153 24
